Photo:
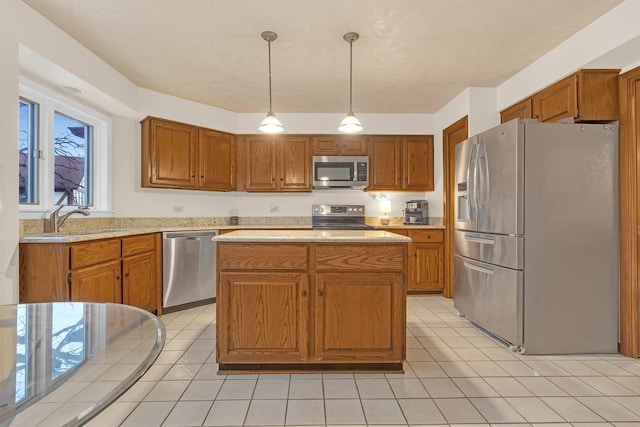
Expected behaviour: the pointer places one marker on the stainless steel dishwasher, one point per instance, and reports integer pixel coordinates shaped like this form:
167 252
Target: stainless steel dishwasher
188 268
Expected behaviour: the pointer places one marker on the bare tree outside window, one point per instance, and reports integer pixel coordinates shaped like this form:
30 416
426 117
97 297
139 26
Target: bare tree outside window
72 161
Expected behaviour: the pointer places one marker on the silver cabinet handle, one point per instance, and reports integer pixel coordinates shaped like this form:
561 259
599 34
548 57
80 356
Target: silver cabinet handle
481 240
478 268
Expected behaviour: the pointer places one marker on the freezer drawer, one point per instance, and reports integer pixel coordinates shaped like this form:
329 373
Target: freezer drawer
506 251
491 297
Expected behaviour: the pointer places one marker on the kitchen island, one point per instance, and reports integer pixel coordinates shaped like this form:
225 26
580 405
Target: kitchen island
309 301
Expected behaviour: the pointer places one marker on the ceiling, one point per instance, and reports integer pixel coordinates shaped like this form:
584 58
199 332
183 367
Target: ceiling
413 56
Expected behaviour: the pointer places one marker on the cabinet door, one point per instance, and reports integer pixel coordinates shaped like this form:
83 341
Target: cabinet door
326 145
139 283
521 110
260 168
295 163
262 317
359 316
556 102
353 145
417 163
170 154
385 162
426 264
100 283
217 160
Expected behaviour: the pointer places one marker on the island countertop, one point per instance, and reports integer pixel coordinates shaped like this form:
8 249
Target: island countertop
312 236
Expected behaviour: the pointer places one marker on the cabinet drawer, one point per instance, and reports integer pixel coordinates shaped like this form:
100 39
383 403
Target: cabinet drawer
360 257
429 236
84 254
138 244
262 256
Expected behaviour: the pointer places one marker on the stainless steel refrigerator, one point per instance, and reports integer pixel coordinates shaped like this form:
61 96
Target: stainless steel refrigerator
536 240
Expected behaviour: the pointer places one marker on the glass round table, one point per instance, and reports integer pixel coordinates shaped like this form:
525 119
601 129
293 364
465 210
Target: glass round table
61 363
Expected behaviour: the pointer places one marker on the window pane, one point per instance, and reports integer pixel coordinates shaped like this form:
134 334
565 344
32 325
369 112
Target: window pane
28 151
73 141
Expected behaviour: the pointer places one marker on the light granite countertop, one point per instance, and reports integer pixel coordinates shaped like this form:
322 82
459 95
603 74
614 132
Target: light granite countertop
84 230
312 236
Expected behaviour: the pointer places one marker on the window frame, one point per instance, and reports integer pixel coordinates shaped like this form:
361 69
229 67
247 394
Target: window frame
49 102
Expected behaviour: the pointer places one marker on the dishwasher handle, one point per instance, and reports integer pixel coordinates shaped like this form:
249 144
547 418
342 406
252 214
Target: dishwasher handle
191 235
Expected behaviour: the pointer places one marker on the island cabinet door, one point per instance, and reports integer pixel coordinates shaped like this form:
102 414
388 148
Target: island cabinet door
262 317
359 317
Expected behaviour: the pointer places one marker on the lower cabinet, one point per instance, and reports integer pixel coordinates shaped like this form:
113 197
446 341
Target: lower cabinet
118 270
267 315
310 303
99 283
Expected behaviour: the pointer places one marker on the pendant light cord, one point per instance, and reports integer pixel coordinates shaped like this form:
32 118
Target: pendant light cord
270 108
351 77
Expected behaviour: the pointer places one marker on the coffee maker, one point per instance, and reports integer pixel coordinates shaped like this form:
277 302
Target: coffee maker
416 212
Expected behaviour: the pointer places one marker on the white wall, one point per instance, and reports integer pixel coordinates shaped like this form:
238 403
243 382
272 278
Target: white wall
8 153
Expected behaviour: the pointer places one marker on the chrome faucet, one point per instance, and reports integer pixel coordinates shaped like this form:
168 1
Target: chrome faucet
56 220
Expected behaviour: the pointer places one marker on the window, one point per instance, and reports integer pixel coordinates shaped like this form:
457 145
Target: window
64 152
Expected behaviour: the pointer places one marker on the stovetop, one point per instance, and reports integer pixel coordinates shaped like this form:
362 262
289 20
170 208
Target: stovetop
338 217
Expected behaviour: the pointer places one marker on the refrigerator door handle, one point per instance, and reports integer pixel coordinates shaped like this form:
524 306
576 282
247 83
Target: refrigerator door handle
472 172
478 268
484 175
481 240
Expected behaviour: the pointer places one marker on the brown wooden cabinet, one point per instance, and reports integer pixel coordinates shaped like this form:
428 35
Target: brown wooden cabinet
589 95
522 110
310 303
401 163
182 156
217 160
425 259
340 145
277 163
118 270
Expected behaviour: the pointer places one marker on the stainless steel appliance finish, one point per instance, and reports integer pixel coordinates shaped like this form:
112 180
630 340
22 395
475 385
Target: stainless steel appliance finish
340 172
188 268
416 212
338 217
536 240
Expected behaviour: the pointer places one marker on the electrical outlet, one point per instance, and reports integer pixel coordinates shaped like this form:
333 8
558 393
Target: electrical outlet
178 209
274 208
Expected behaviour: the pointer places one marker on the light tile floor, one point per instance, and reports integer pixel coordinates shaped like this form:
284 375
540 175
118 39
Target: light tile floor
455 374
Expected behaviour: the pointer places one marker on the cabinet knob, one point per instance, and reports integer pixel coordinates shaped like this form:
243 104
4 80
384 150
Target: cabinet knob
118 278
304 293
126 275
320 293
202 176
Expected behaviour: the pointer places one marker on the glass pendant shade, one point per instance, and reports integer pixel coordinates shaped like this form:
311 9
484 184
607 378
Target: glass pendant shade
350 124
271 124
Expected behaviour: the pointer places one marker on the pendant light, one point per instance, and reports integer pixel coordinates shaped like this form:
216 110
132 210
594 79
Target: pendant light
350 124
270 124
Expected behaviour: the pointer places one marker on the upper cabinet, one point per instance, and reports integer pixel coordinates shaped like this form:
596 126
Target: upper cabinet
586 96
401 163
169 151
277 163
177 155
340 145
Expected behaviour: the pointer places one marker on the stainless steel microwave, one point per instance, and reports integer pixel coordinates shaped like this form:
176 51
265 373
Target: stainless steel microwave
340 172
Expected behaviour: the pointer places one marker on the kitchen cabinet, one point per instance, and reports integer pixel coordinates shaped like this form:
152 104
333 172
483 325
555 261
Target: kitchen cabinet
589 95
277 163
217 160
425 259
401 163
340 145
522 110
305 304
117 270
182 156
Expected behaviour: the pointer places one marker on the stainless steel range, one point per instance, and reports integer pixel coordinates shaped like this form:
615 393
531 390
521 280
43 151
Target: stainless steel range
338 217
